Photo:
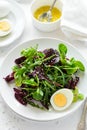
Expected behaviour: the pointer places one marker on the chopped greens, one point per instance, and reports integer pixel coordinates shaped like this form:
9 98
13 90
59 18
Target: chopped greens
38 74
77 95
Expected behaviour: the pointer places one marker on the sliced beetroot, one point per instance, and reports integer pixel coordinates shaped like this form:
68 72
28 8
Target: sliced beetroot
20 92
39 72
72 83
9 77
49 52
20 99
20 60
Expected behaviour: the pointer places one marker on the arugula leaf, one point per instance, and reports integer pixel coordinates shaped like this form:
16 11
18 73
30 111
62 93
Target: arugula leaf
73 66
30 82
18 79
29 52
19 73
38 94
70 65
62 49
77 95
80 65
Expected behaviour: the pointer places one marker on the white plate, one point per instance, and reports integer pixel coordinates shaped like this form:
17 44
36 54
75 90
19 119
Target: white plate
17 18
29 112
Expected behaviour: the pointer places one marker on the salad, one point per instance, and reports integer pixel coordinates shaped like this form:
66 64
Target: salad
39 74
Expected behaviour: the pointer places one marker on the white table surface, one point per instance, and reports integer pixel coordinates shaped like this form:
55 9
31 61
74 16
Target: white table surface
10 121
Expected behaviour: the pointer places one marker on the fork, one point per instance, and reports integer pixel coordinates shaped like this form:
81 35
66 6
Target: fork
47 15
82 122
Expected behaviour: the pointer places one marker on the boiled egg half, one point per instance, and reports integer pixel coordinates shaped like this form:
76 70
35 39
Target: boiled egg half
61 99
5 27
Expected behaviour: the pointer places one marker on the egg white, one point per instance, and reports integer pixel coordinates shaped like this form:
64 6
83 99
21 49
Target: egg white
69 96
4 33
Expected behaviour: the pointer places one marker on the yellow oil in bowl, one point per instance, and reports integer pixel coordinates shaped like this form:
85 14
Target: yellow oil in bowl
56 13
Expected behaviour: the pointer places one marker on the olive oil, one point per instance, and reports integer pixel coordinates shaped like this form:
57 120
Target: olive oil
56 13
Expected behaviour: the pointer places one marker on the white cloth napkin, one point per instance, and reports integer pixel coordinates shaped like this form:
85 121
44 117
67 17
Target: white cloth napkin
74 19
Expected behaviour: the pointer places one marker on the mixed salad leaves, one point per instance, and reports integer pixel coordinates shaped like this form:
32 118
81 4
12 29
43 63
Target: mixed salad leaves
38 74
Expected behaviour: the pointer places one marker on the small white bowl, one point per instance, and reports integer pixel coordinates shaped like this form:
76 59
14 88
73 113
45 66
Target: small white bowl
45 26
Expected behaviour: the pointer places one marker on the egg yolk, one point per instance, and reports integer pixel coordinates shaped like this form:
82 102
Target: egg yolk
60 100
4 26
